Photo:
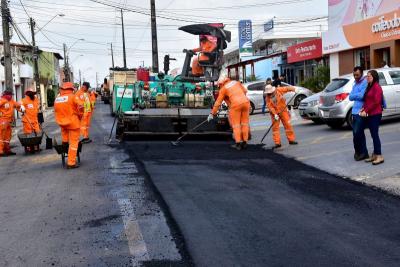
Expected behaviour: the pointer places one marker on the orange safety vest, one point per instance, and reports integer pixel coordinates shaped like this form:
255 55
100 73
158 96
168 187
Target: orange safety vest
84 99
7 109
277 103
66 110
206 46
31 109
233 93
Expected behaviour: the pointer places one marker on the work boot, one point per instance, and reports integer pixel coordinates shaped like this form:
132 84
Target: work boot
236 146
378 160
244 145
276 146
86 141
370 159
293 143
72 166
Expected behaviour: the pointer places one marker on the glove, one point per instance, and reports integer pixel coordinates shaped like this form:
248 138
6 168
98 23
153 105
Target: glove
276 117
210 117
22 109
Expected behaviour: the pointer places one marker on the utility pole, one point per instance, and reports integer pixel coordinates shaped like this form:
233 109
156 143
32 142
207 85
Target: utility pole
112 56
154 35
5 13
67 77
123 37
35 57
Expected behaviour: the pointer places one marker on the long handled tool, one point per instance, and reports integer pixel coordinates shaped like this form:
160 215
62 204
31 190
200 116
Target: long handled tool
176 143
116 114
272 123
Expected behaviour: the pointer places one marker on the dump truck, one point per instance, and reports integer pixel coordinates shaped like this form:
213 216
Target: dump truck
167 105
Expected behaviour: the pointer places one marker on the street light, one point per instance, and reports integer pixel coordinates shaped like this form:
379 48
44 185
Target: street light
58 15
74 44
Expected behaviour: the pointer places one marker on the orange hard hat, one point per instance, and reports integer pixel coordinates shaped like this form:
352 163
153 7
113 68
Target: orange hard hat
68 86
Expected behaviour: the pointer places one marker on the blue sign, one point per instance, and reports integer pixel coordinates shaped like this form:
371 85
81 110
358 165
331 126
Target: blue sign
269 25
245 38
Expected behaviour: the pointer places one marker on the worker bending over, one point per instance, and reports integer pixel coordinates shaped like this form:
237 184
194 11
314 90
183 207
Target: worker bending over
234 95
84 97
7 107
30 120
278 110
207 45
67 109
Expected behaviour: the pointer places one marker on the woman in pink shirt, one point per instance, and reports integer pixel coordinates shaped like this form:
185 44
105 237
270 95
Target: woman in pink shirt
372 110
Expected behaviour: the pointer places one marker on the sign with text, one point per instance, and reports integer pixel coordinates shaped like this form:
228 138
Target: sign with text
305 51
269 25
245 38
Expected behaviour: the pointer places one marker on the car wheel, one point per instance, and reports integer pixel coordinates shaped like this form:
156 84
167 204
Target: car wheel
252 108
317 121
297 100
349 119
335 124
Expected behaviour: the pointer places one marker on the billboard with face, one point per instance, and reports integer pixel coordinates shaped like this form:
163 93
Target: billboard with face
358 23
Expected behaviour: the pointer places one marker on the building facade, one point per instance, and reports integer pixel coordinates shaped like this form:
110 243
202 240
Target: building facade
362 33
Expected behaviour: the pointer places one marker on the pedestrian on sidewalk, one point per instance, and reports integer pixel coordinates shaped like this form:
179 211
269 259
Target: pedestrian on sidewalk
7 107
83 95
234 94
267 82
372 112
359 123
67 109
278 110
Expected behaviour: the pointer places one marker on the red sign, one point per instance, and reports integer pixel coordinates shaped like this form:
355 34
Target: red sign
305 51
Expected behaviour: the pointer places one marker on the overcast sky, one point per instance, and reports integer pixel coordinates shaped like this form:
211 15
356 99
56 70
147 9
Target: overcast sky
99 25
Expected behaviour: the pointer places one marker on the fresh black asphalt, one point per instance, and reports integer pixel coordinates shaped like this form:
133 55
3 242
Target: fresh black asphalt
258 208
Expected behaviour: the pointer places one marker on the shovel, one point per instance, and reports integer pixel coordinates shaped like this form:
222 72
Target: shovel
177 142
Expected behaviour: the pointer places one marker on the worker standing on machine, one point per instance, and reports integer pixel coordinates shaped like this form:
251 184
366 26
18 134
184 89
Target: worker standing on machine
278 110
84 97
67 109
234 95
7 107
30 120
207 45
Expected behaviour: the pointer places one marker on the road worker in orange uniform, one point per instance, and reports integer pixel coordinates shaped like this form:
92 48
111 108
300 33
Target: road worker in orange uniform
84 97
207 45
278 110
7 107
30 118
67 108
234 95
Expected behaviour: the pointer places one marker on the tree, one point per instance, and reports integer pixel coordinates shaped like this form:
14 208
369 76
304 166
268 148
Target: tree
319 81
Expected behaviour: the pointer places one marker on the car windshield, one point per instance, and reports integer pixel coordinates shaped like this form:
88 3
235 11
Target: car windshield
336 84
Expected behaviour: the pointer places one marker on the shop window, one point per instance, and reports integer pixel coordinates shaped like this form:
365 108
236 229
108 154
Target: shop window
395 76
361 58
382 79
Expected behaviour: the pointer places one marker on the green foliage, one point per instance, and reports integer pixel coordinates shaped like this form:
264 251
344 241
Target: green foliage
319 81
252 78
51 96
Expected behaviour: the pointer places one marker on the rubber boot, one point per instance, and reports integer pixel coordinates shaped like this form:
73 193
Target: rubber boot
236 146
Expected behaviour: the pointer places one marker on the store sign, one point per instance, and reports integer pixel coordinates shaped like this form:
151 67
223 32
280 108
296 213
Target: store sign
305 51
355 24
245 38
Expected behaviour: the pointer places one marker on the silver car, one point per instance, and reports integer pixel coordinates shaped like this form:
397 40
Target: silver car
256 89
308 108
336 107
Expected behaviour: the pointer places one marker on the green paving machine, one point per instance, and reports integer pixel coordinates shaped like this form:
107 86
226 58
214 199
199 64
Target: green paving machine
167 105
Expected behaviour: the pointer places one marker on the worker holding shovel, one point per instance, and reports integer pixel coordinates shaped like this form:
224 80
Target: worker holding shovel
278 110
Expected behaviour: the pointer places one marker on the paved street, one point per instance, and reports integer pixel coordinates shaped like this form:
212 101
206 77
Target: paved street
152 204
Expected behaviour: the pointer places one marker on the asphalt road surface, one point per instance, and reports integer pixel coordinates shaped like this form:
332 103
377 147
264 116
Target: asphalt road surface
152 204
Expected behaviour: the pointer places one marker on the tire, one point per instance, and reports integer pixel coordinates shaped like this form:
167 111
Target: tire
252 108
317 121
297 100
335 124
349 119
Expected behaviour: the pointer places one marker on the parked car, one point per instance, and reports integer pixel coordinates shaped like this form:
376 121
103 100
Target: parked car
255 94
308 108
335 106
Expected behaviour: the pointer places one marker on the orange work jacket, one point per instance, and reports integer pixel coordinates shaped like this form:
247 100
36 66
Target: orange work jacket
277 103
31 109
233 93
7 109
67 110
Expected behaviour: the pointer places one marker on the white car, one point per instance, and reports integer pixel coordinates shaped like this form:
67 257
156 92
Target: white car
255 94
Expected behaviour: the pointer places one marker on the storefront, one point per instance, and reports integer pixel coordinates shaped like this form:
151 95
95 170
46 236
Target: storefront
302 60
364 33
